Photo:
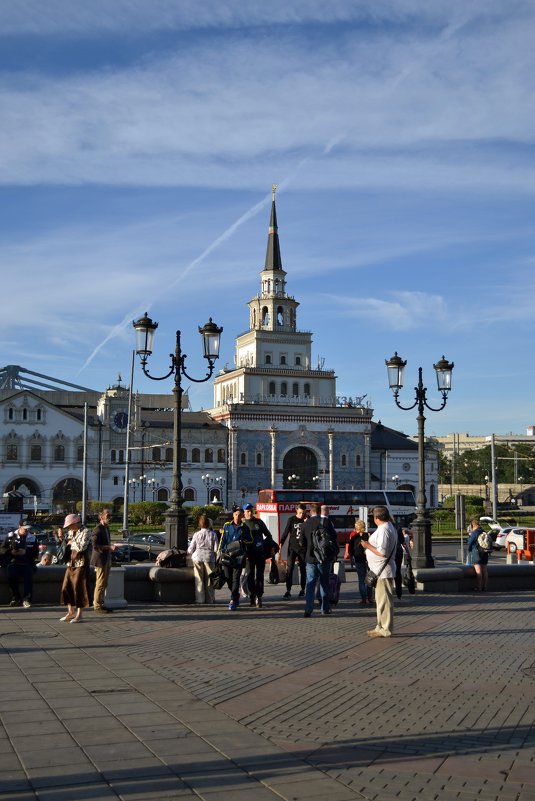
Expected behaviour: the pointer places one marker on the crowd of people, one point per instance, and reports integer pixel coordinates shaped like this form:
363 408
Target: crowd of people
77 548
236 557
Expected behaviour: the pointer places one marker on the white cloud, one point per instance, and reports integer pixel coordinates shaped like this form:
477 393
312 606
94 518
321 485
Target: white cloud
370 110
404 311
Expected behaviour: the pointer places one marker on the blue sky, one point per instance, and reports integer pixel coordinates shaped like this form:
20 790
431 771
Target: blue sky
139 143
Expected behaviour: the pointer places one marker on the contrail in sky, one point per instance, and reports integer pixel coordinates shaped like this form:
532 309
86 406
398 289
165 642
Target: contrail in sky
252 212
127 319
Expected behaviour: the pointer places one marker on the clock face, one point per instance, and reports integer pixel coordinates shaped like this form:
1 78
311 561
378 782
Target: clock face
120 421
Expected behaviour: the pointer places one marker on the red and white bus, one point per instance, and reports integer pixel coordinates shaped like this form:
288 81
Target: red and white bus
274 507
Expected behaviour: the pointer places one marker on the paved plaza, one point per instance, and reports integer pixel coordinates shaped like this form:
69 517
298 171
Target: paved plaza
261 705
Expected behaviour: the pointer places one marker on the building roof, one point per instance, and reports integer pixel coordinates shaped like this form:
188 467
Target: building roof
388 439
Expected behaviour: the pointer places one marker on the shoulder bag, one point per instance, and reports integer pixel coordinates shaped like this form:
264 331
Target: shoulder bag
371 578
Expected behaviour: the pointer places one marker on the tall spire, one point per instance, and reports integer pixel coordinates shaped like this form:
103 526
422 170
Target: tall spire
273 253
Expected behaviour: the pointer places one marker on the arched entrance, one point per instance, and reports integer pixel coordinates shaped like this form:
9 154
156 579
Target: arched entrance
66 493
302 463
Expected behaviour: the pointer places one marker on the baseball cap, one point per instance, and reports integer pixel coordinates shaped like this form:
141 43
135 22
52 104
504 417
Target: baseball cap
247 506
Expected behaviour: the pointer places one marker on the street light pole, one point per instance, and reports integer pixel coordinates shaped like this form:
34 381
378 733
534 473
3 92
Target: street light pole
422 556
207 480
175 519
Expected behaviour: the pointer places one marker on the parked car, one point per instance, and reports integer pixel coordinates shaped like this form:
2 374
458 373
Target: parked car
501 536
521 539
497 529
147 539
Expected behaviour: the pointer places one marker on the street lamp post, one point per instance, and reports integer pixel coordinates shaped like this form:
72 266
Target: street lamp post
395 479
422 556
175 519
207 480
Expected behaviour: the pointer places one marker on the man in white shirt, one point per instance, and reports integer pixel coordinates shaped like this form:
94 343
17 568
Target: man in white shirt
381 546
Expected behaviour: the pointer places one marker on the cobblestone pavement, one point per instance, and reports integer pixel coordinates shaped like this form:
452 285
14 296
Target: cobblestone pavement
197 702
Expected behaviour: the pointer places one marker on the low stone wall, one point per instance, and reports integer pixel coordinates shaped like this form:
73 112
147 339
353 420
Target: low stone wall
142 584
462 578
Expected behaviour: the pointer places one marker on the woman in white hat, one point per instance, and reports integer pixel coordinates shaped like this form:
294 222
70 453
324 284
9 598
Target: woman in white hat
74 590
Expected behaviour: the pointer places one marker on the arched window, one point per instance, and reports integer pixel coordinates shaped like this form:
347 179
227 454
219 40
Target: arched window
357 460
306 390
59 453
156 455
343 460
283 359
221 455
268 358
39 415
163 494
25 414
265 316
10 413
297 361
11 452
189 494
113 456
80 453
208 455
284 389
259 460
35 453
295 389
121 456
271 387
280 316
243 459
183 455
115 480
196 455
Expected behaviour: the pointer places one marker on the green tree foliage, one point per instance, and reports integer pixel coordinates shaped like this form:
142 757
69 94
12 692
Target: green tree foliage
471 466
195 512
149 513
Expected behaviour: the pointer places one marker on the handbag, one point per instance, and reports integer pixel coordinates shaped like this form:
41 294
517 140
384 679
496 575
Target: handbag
274 577
218 577
371 578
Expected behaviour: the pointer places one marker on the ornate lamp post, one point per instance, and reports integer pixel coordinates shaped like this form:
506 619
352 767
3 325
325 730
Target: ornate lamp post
175 519
421 527
207 480
395 479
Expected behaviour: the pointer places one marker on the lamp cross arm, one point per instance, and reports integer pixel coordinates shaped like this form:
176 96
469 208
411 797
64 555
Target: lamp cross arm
158 377
199 380
432 408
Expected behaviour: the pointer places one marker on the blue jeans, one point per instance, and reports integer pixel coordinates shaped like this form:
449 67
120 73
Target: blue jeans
315 572
366 593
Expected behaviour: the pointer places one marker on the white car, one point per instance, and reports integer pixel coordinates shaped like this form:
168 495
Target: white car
499 532
501 536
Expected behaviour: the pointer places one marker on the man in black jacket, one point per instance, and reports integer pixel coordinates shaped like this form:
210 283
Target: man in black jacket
262 548
20 552
296 552
319 560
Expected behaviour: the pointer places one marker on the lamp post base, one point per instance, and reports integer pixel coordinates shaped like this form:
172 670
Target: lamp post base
176 534
421 555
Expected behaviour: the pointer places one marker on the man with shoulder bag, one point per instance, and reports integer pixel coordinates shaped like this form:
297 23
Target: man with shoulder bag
232 548
380 555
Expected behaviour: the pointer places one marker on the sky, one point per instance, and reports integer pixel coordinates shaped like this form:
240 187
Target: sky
140 140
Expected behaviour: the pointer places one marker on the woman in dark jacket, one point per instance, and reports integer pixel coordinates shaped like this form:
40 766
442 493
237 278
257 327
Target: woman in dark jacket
359 556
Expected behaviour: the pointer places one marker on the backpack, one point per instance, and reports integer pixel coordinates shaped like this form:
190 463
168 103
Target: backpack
324 549
485 541
171 557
